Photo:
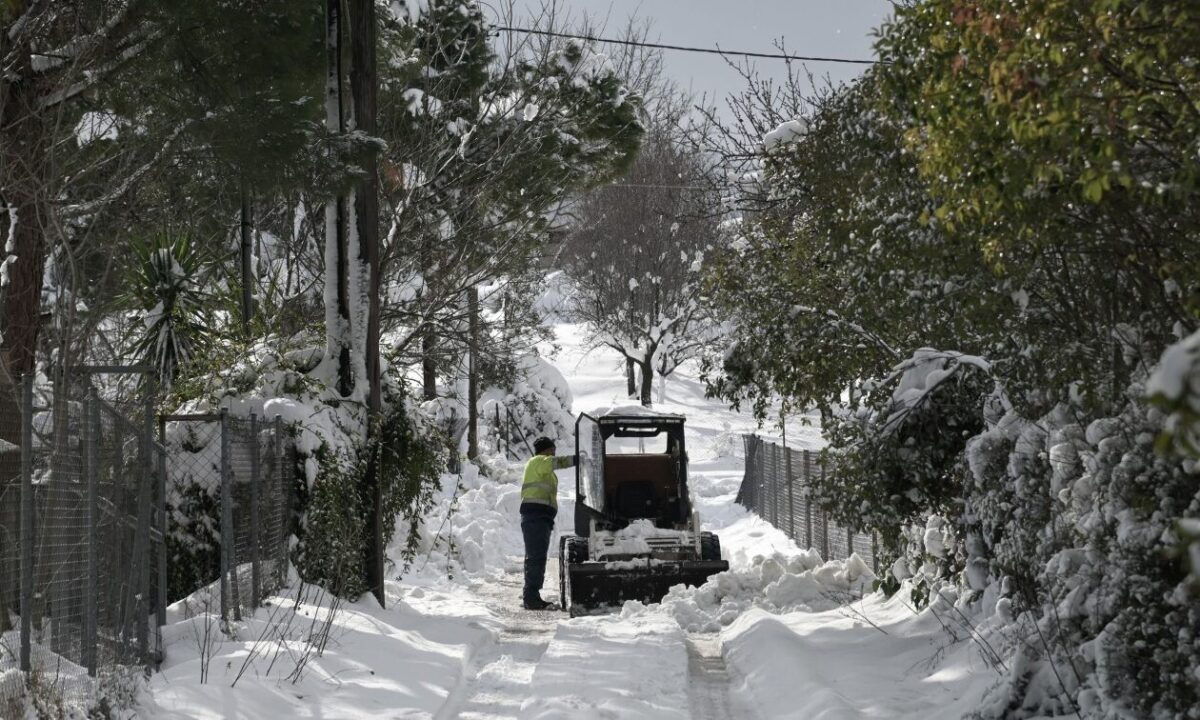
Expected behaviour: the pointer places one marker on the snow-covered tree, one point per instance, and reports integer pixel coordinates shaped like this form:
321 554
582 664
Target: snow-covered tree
635 260
485 142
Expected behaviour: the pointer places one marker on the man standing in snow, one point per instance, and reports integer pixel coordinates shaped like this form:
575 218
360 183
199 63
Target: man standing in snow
539 505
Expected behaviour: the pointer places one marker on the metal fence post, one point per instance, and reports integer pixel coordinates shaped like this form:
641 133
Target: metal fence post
91 460
285 506
791 496
27 534
760 488
144 514
808 539
773 478
160 609
226 516
255 476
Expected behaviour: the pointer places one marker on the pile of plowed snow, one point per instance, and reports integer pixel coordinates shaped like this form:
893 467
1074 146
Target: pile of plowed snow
776 583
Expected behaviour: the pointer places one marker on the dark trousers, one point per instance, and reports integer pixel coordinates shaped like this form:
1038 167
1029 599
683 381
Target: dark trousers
537 522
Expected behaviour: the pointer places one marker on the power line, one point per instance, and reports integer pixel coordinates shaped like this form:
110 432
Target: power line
652 186
685 48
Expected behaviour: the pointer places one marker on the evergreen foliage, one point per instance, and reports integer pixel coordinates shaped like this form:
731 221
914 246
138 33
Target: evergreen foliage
165 287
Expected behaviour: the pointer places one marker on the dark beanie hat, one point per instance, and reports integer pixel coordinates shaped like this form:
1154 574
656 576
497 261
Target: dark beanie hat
542 444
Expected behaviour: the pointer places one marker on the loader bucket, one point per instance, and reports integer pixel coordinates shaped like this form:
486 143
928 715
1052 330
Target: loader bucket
597 585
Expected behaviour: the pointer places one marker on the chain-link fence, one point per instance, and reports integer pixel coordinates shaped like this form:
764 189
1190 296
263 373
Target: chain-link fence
82 548
228 477
102 526
776 487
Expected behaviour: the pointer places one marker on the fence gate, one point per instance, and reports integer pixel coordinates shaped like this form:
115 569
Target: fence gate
82 553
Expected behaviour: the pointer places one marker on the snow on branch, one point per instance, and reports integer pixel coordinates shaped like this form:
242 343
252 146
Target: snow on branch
1175 387
919 376
93 77
132 179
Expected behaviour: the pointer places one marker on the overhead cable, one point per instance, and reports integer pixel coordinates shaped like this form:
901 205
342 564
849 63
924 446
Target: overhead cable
684 48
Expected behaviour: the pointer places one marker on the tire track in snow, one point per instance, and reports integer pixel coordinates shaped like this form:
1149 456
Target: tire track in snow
708 680
500 672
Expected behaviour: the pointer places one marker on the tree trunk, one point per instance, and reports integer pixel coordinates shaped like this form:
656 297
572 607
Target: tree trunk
248 280
364 87
473 374
428 366
630 382
337 270
647 370
25 189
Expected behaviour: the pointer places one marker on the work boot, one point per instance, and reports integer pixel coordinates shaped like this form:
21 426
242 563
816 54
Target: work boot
539 604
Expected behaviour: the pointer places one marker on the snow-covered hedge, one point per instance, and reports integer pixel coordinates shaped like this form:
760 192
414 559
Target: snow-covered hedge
1067 531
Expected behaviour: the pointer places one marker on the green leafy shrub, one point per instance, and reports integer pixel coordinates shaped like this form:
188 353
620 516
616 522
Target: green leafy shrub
333 531
166 285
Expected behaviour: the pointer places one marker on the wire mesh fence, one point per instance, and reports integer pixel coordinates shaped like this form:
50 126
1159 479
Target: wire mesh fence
228 477
81 522
776 487
102 526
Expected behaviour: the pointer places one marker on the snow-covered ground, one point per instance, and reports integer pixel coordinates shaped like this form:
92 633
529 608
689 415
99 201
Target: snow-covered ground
780 635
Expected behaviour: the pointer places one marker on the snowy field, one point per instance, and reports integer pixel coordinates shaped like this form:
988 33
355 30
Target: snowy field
781 635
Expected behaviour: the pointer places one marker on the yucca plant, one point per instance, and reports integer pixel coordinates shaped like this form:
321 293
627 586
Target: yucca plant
165 286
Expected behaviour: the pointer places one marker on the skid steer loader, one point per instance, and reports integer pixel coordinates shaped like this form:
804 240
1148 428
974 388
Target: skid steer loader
636 533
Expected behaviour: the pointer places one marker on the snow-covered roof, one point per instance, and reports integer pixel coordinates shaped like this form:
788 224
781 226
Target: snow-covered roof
625 411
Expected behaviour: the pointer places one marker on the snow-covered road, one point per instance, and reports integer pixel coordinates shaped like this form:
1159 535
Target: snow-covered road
498 676
781 635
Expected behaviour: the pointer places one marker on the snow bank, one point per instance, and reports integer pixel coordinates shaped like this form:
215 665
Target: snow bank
371 663
875 658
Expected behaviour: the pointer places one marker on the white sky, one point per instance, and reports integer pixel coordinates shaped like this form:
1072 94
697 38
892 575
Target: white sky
835 28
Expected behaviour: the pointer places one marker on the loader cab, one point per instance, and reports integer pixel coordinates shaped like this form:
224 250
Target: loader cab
632 466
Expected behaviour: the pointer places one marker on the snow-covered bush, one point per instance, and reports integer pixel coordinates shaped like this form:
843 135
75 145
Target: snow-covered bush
538 402
284 378
409 457
332 535
193 538
901 450
332 532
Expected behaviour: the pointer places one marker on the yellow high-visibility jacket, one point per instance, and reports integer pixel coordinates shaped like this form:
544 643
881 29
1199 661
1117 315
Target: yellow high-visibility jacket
540 484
